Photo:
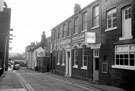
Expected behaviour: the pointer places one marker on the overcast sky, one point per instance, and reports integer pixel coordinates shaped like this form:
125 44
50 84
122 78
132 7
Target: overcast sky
30 17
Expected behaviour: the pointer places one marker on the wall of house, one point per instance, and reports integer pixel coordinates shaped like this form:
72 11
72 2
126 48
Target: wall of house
117 77
4 33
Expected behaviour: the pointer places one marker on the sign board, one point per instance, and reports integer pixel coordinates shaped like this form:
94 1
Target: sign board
64 42
79 38
90 37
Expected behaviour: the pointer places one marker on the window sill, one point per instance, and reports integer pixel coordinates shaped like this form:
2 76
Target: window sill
75 66
125 38
83 30
75 33
123 67
109 29
62 64
95 27
58 63
84 67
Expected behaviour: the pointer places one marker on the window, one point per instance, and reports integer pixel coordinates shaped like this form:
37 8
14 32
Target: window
63 58
84 55
84 21
54 32
111 19
76 26
75 57
125 56
69 28
64 30
59 33
128 13
96 16
58 62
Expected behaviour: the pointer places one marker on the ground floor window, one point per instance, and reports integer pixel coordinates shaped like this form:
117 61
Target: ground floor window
84 56
75 57
63 58
125 55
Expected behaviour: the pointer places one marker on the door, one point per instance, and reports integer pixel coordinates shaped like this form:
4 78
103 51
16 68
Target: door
95 64
68 63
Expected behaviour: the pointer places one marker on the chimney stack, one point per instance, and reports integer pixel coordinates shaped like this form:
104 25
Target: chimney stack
77 8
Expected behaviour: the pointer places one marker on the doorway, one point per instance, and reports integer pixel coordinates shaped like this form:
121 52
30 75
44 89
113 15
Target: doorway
95 64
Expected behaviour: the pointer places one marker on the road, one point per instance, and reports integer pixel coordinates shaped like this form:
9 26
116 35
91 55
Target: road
36 81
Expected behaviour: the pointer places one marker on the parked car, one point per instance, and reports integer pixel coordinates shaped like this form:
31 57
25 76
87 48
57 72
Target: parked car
16 66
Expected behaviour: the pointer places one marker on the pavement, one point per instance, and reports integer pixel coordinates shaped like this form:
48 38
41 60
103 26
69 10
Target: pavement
83 83
10 82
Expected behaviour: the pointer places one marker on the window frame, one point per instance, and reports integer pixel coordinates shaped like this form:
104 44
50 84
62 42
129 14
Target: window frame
64 30
76 25
84 21
84 54
112 19
58 59
75 57
125 50
95 21
69 29
63 58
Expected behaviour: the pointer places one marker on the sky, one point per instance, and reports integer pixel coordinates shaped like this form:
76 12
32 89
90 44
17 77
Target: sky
29 18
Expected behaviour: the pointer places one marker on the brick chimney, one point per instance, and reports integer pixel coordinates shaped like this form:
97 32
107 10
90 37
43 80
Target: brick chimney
77 8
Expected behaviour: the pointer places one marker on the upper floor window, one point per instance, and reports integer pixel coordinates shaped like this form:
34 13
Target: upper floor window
96 16
111 19
69 28
84 21
61 32
64 30
76 26
54 34
58 33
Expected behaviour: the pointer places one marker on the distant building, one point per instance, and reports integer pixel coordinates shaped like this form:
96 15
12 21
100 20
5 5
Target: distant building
36 51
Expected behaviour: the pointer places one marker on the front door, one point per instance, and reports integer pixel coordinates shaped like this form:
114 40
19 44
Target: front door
68 63
95 64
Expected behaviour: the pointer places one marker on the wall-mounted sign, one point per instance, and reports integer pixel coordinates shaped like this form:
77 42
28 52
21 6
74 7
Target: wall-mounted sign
64 42
79 38
90 37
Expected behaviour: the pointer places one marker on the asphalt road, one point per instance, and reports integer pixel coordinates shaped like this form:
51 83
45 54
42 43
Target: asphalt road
42 82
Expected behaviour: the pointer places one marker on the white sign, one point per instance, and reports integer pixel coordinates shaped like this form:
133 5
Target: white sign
90 37
1 5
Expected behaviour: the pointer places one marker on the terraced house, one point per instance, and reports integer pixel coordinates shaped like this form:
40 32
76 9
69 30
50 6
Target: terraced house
97 43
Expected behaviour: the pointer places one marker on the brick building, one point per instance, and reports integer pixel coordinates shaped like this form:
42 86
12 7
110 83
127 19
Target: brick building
5 14
97 43
76 43
117 52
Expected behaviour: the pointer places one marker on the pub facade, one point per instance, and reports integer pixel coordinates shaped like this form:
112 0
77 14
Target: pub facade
76 43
